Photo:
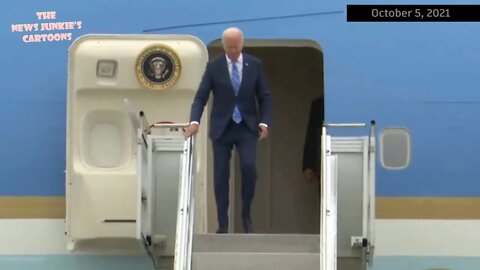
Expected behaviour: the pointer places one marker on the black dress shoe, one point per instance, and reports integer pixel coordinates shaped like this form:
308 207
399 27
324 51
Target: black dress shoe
247 224
222 230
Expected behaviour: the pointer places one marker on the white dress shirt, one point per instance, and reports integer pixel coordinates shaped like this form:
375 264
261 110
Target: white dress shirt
239 64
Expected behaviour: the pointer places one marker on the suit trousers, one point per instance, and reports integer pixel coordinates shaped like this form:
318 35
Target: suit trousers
245 142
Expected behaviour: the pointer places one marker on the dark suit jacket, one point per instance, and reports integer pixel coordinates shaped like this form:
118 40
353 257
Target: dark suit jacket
254 88
311 150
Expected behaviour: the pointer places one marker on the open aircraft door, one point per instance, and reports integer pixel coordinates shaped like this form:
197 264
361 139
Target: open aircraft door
348 199
125 182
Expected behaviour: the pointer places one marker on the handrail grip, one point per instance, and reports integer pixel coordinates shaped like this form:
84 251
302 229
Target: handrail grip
344 125
170 125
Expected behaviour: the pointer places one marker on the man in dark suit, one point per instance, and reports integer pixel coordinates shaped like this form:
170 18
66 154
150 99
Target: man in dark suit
237 81
311 150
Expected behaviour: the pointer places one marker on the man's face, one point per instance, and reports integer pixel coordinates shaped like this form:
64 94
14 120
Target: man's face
233 45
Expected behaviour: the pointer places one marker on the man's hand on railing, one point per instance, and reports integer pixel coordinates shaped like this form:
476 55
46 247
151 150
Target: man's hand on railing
192 129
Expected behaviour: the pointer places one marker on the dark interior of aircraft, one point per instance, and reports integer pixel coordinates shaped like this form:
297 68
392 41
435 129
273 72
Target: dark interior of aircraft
284 202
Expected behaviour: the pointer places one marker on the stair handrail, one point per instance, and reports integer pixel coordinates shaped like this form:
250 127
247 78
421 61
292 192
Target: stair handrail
186 207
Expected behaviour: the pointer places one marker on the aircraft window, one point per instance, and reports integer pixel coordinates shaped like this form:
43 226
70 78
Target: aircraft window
395 148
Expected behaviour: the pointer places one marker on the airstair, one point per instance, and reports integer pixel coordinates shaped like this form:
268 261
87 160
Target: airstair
166 208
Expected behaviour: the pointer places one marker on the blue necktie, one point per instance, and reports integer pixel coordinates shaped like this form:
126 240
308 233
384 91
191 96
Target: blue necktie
237 116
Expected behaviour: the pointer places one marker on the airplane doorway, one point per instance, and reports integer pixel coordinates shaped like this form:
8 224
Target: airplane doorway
284 202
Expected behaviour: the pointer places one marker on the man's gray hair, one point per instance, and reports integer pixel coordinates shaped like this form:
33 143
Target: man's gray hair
232 30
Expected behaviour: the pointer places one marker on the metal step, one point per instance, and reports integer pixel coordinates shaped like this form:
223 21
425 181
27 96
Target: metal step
256 261
257 243
256 251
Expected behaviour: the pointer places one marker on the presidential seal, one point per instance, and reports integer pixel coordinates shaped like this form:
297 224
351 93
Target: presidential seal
158 67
